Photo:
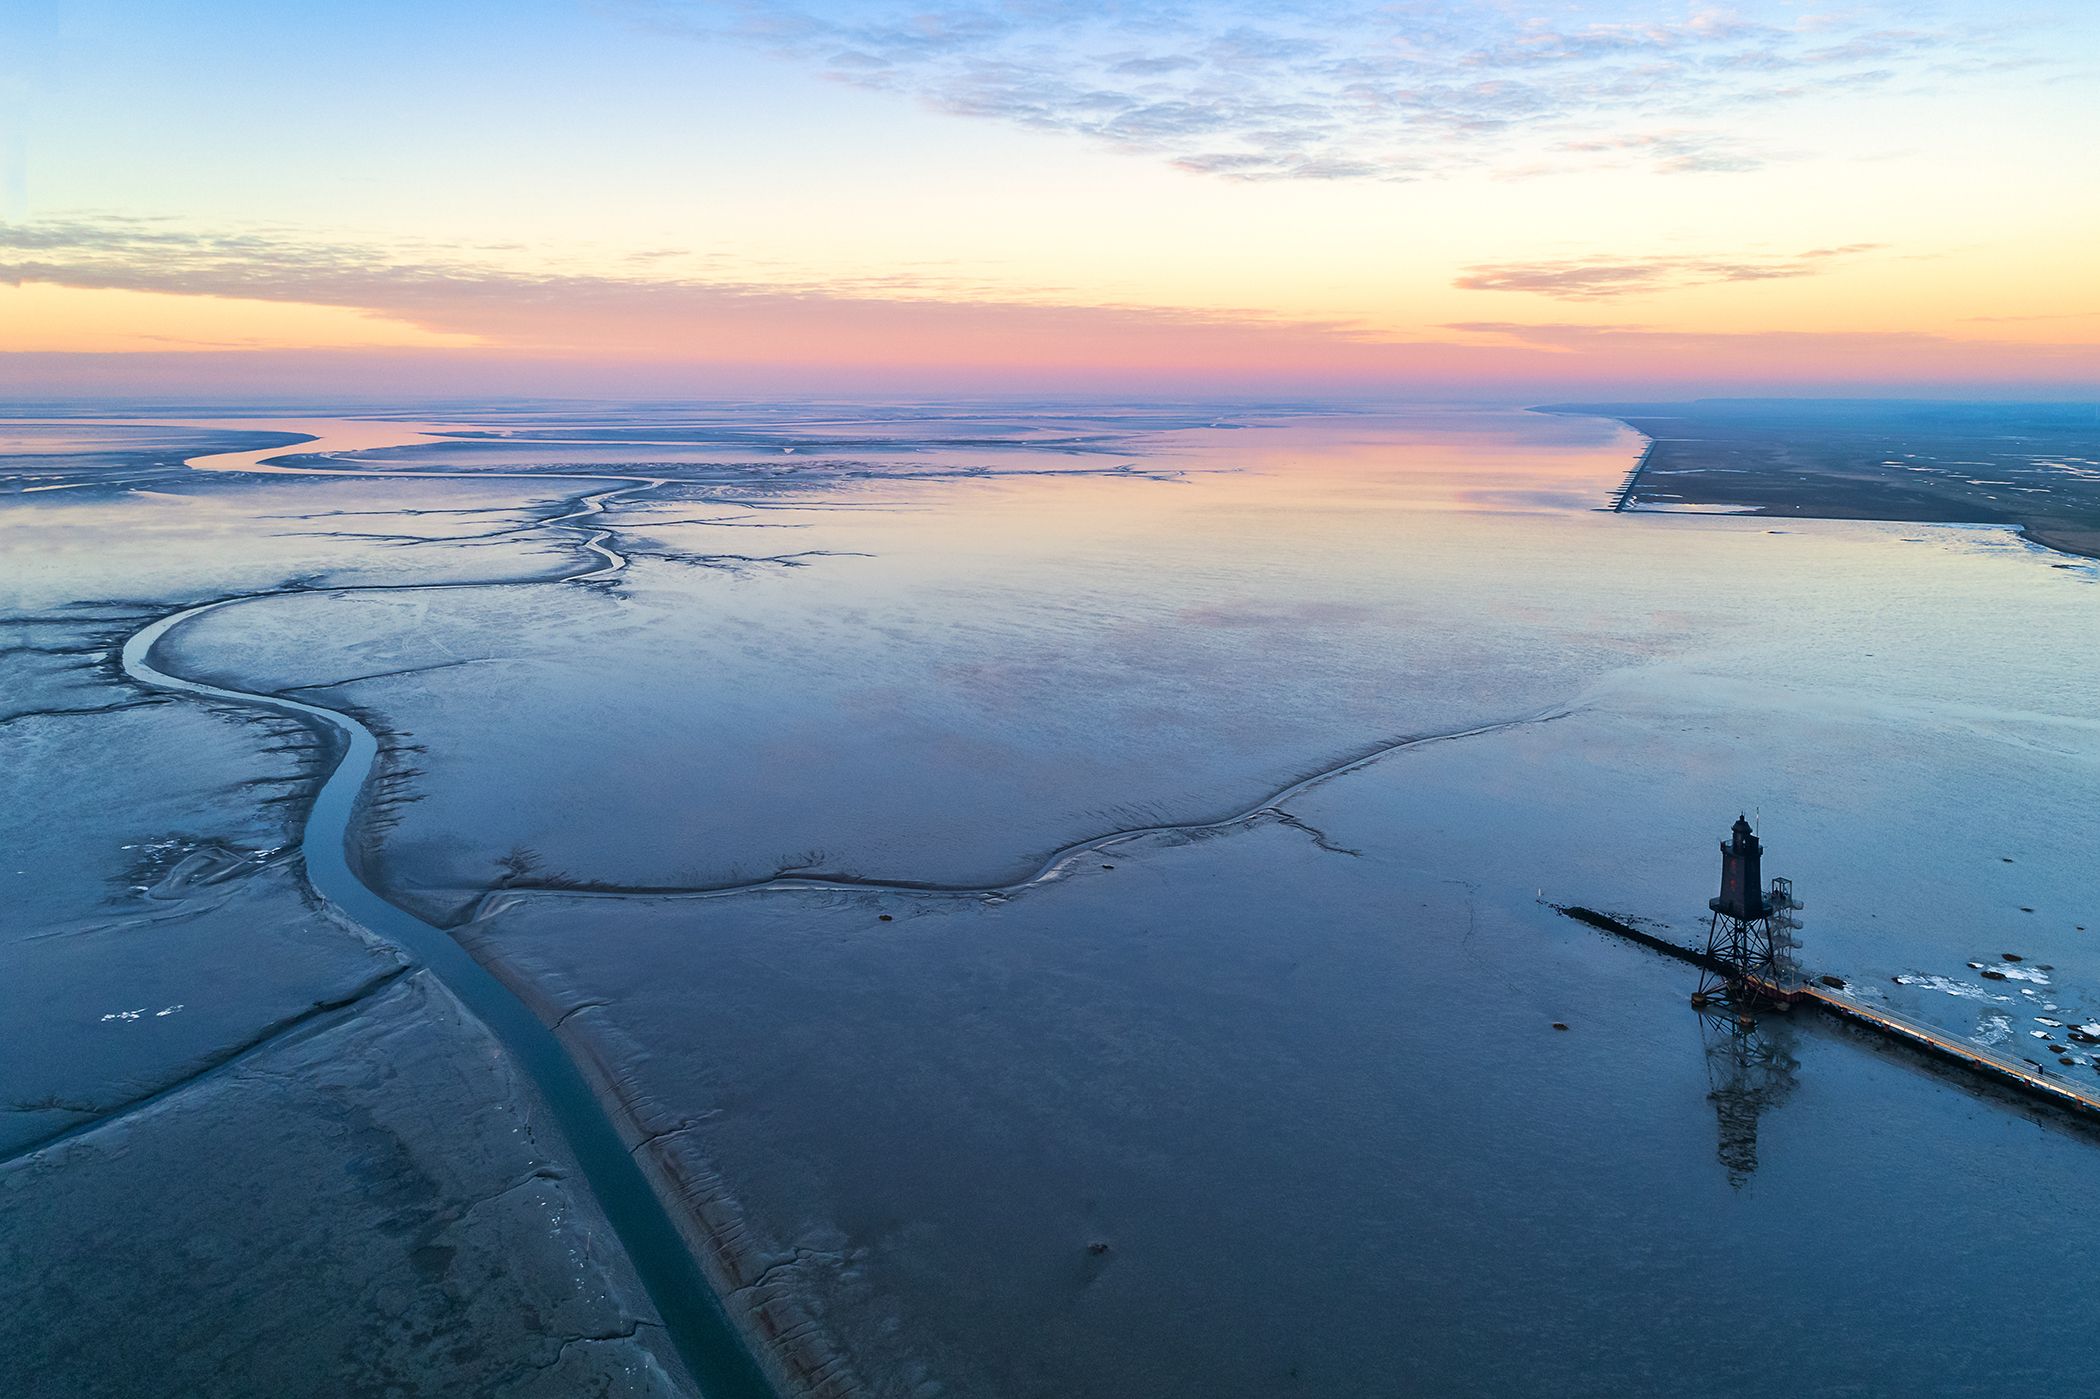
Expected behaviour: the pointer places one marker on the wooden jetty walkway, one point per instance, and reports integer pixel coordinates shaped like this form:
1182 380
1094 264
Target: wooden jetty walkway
2022 1075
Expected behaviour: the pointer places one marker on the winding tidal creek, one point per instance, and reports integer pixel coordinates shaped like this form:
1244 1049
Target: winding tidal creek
710 1347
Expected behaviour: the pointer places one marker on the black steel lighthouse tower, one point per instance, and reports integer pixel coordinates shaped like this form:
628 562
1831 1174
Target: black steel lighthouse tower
1749 940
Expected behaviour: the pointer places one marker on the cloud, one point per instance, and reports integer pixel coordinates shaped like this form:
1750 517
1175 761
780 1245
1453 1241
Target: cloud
281 263
1673 152
2025 320
1598 279
1818 359
649 329
643 309
1295 89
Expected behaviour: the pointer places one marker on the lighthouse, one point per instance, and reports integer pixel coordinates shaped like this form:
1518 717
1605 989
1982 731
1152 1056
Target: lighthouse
1742 876
1750 938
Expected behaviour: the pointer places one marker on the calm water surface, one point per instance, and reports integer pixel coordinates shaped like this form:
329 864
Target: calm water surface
1300 1077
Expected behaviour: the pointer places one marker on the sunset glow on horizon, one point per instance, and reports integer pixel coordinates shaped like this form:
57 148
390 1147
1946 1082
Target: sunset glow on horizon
667 197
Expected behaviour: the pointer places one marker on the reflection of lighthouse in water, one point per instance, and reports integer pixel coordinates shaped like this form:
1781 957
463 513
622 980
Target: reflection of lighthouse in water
1749 1071
1750 940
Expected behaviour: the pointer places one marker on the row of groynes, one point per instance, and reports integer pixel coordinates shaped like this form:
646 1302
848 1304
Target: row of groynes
1623 497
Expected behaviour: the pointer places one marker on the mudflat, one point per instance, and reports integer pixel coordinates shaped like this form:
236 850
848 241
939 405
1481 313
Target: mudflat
1051 901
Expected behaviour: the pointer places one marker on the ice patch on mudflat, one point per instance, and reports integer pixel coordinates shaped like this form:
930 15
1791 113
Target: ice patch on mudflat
2010 971
141 1013
1964 990
2014 973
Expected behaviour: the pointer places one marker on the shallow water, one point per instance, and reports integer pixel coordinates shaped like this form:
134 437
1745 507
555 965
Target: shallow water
245 1148
1298 1075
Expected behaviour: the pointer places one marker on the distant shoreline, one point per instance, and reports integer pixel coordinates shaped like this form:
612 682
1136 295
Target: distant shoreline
2031 468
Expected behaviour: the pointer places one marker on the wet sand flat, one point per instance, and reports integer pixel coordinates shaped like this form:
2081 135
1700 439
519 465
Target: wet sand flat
1061 903
248 1147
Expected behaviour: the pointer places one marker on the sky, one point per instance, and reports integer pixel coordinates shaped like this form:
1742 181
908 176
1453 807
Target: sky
1488 199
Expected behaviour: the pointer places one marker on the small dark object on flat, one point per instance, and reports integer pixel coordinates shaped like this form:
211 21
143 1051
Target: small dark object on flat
883 917
2012 956
2006 858
2025 909
1108 867
1097 1248
2064 1061
1834 982
1991 975
1559 1025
